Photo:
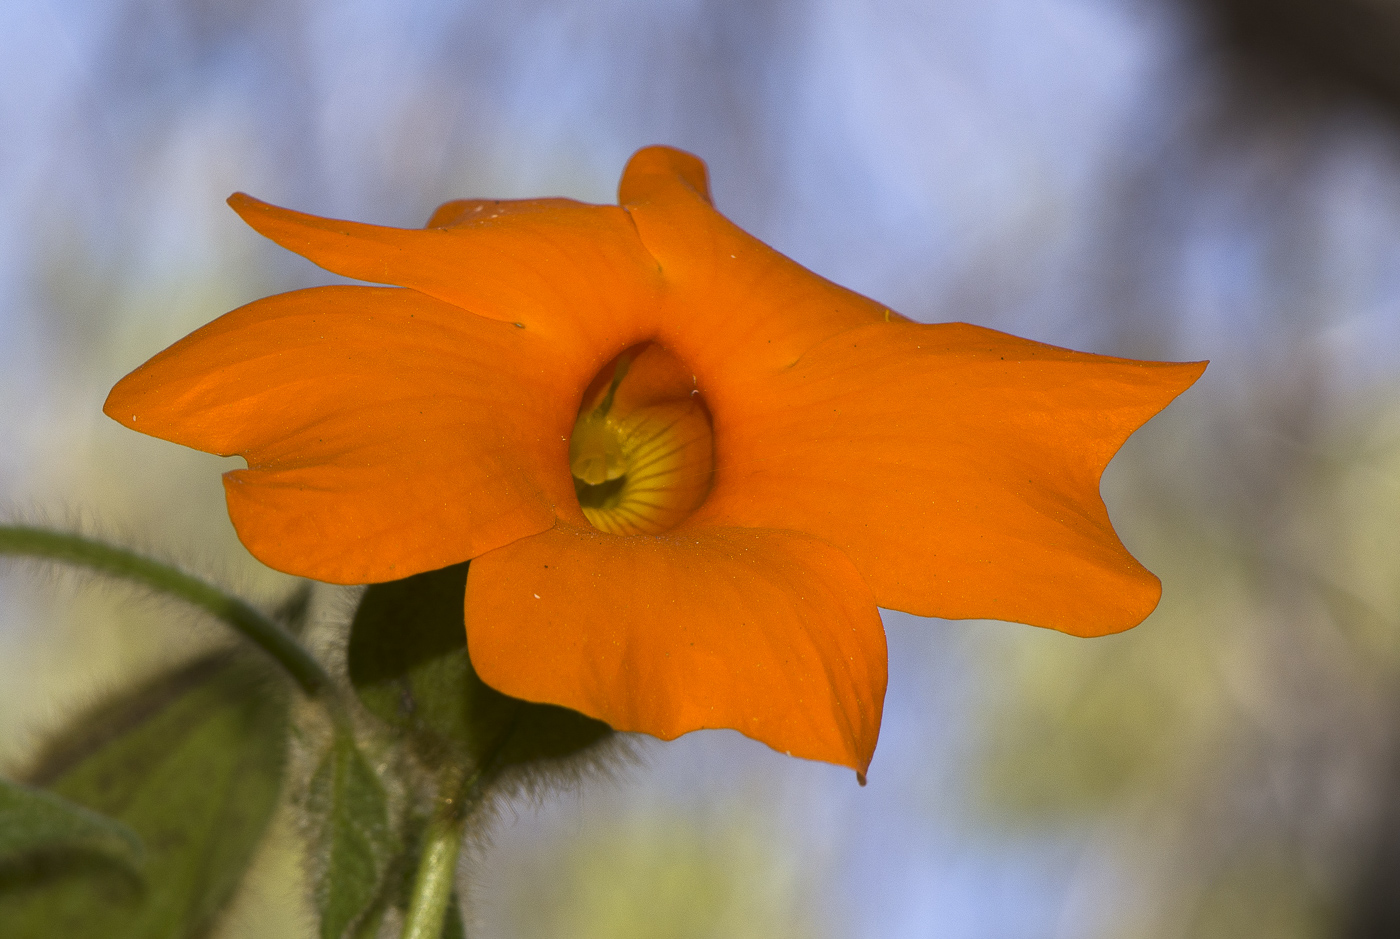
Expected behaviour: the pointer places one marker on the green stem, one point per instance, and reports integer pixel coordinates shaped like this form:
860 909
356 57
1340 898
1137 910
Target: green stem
437 868
119 562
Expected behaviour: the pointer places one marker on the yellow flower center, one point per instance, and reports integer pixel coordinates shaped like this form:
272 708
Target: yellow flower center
642 451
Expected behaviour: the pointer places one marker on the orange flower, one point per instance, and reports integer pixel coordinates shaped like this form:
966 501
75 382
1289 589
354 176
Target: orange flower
687 470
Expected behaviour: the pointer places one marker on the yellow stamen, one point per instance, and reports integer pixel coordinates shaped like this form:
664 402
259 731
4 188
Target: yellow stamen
642 452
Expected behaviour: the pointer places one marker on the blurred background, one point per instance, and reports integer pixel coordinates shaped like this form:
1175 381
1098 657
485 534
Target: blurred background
1174 179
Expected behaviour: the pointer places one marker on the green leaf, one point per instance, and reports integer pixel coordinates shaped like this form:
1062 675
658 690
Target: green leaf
368 927
33 821
354 842
409 665
192 763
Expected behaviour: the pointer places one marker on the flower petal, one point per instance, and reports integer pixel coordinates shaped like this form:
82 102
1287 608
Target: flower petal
575 272
771 633
386 432
732 304
654 171
956 466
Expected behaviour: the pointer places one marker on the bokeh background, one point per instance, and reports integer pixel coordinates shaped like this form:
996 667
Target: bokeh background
1177 179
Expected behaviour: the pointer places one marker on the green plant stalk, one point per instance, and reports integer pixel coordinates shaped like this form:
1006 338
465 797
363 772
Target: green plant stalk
119 562
437 868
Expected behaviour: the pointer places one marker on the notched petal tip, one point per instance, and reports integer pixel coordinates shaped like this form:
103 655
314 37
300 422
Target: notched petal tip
398 441
958 468
654 170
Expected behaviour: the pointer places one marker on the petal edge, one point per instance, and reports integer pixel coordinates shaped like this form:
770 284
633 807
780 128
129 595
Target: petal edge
386 433
956 466
770 633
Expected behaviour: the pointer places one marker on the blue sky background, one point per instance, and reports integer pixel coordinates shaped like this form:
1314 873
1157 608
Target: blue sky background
1079 172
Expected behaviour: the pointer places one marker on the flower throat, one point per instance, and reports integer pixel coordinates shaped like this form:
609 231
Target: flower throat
642 451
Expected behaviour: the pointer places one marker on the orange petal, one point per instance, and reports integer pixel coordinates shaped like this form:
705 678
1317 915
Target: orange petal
386 432
574 272
654 170
956 466
655 376
770 633
731 303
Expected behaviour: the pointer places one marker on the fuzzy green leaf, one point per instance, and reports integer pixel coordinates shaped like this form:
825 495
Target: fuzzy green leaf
354 841
409 665
192 763
33 821
370 923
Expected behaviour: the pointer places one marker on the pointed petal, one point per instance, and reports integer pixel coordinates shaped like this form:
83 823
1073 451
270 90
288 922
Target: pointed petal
576 273
956 466
770 633
732 304
386 432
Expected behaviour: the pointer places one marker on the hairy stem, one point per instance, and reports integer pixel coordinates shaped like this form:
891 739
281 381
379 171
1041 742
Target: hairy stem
458 797
437 869
120 562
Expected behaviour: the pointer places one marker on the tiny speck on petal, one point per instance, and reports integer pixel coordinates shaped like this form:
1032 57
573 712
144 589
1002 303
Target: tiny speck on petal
537 596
